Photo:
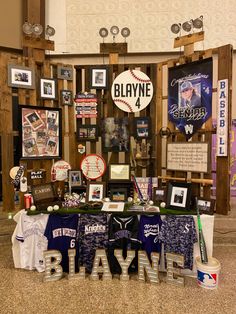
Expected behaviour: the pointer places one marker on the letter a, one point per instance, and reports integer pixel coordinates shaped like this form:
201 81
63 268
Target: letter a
104 269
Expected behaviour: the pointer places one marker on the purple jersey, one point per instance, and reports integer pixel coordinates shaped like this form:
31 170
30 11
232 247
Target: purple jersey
61 234
178 234
149 228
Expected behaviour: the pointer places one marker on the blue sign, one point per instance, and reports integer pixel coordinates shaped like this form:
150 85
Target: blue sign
190 95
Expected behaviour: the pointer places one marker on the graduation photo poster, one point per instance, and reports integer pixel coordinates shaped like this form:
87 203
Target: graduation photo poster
190 95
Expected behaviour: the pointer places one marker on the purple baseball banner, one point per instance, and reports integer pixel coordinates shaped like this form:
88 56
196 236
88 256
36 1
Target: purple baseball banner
190 95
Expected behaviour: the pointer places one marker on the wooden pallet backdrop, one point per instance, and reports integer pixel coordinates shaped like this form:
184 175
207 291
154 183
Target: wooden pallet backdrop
10 99
222 59
157 110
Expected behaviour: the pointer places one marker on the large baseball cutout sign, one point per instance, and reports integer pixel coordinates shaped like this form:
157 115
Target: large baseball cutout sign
93 166
132 91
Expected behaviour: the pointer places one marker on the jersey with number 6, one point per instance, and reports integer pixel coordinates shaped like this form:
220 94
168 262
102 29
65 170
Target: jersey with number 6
61 234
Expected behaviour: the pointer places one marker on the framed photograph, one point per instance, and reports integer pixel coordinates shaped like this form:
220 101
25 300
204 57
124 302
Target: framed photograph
115 134
99 77
206 206
74 178
40 132
142 127
20 76
65 72
66 97
87 132
48 88
119 172
118 194
159 195
179 195
95 191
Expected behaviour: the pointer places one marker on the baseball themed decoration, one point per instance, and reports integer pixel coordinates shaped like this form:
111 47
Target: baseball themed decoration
16 173
190 95
59 170
144 266
93 166
85 105
132 91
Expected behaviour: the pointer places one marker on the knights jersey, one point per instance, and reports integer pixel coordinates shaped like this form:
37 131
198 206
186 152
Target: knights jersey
149 229
29 241
92 235
178 234
123 234
61 233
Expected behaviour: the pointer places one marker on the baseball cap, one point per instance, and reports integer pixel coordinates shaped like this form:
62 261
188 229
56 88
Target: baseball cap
185 86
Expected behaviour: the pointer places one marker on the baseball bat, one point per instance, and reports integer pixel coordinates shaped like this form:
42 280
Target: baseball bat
201 240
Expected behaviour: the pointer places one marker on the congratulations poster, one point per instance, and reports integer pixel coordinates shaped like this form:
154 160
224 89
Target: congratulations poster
190 95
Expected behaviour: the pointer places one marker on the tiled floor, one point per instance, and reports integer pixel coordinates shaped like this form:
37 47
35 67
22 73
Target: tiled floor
23 291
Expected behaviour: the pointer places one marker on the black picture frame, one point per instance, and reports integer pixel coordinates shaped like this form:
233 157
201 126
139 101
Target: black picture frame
40 132
95 191
98 78
142 128
86 132
65 72
48 88
118 194
159 195
21 76
206 205
66 97
178 195
119 172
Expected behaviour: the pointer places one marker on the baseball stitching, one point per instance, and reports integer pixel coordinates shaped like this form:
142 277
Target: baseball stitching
139 79
125 103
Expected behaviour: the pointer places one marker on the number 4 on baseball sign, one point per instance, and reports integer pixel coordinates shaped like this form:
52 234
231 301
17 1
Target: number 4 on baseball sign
132 91
138 103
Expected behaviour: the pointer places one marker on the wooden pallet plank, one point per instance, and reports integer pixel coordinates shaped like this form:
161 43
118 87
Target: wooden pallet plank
223 163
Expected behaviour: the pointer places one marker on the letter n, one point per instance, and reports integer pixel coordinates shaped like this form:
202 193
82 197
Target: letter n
152 271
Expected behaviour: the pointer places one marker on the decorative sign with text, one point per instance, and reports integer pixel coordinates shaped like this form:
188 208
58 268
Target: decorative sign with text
93 166
190 95
37 174
85 105
132 91
59 170
188 157
147 271
222 119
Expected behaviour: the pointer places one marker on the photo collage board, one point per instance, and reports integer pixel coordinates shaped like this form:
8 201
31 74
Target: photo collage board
41 132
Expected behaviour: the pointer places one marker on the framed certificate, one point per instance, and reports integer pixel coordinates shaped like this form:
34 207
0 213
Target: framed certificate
119 172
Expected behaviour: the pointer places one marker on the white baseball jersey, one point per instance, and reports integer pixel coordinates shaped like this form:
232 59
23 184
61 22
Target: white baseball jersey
29 241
